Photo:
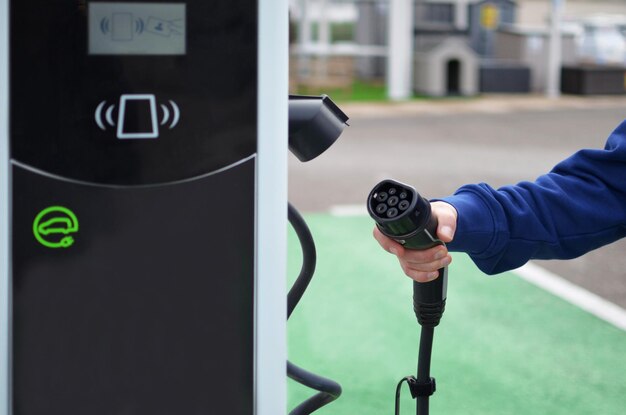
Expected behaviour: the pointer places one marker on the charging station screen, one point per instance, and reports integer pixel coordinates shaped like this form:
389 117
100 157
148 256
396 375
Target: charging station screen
137 28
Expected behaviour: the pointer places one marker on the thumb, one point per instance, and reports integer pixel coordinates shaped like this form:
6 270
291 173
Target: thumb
446 216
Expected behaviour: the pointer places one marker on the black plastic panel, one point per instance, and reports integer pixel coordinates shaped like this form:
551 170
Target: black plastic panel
65 103
149 311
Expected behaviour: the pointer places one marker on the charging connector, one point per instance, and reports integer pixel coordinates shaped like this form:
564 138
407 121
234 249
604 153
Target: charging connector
403 215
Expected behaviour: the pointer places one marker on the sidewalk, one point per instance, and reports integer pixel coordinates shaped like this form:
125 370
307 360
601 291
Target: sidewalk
488 104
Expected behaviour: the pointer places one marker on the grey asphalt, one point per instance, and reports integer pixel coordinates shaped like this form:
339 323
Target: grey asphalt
439 145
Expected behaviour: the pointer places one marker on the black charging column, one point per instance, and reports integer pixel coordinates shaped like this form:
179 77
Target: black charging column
131 176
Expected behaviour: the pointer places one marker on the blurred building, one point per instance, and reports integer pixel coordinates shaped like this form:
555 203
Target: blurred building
476 19
463 32
460 46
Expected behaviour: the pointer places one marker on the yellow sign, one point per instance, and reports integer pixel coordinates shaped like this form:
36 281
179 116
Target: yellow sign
489 16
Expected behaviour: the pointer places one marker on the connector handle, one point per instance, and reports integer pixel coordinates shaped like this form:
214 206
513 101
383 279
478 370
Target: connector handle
429 298
415 227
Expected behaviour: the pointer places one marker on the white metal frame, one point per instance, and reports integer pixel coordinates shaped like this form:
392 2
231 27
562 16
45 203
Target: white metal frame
271 226
5 217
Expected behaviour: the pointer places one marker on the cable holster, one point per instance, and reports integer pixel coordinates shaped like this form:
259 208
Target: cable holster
427 388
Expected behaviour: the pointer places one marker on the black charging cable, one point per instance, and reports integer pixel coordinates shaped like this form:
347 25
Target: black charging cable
328 390
404 216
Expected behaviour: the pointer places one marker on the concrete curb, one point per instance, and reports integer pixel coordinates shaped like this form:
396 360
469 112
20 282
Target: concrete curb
487 104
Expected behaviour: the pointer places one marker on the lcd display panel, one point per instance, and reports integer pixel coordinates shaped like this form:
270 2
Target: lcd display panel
137 28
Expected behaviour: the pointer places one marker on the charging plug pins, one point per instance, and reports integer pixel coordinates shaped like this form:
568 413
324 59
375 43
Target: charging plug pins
391 202
381 197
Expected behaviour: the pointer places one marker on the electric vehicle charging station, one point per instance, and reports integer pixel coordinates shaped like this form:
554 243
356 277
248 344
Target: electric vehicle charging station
143 201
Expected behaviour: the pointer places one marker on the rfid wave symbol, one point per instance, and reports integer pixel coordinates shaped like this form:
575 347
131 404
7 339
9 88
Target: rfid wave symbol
132 104
105 23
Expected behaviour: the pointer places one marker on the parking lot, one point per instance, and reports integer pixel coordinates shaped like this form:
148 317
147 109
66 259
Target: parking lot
439 145
504 346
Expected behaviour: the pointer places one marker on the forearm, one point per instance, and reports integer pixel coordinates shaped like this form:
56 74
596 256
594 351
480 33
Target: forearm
575 208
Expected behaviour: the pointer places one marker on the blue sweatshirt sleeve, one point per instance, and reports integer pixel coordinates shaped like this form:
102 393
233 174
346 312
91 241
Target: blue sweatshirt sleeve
578 206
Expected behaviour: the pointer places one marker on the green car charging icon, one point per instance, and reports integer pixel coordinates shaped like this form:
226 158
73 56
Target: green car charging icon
54 226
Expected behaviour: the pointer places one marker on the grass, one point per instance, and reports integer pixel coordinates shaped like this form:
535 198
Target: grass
368 91
359 91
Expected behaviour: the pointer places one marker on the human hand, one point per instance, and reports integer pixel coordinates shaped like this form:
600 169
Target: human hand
424 265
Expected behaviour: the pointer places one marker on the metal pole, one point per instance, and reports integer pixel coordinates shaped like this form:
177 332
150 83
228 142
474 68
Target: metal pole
324 38
400 47
553 83
304 39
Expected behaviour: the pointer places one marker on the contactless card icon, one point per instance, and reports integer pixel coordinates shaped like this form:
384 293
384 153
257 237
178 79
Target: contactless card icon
54 226
137 116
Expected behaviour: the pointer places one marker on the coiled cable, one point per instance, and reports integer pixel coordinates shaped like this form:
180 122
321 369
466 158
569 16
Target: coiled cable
328 389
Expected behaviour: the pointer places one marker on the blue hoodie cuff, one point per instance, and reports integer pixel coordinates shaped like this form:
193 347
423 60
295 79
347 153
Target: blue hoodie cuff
476 227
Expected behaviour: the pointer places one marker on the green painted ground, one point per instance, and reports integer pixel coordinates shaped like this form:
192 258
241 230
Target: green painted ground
503 347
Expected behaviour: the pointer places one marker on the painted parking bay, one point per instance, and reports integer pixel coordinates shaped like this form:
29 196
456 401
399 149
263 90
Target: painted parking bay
504 346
